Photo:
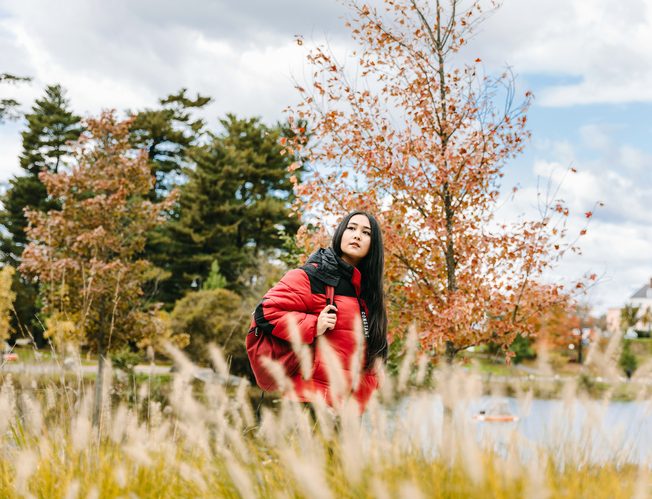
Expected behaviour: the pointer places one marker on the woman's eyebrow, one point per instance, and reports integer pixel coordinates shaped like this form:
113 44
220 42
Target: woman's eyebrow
364 226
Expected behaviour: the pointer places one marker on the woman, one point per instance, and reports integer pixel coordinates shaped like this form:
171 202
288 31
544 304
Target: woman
351 271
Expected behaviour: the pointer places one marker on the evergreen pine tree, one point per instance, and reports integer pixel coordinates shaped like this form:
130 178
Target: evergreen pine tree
215 280
166 134
235 203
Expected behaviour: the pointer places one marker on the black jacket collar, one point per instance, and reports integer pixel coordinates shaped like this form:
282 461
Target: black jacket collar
329 268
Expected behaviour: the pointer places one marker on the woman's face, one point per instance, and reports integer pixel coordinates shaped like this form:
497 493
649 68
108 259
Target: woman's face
356 239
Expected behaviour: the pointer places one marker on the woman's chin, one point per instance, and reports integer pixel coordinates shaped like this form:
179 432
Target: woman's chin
351 258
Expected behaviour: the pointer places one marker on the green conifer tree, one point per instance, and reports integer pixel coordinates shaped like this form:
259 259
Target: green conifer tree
166 134
215 280
235 203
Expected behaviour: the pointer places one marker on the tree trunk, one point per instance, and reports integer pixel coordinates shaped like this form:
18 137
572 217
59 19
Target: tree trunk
99 381
451 264
450 352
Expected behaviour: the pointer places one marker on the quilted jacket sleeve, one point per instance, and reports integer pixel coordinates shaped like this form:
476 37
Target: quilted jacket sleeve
290 299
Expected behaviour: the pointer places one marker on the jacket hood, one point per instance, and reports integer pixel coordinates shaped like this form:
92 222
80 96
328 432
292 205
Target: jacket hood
328 267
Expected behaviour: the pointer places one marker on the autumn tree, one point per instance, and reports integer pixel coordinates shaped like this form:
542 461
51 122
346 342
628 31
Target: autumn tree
83 254
408 129
562 325
46 145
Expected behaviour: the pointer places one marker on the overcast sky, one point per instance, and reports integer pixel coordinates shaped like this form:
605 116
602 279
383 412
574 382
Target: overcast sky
588 63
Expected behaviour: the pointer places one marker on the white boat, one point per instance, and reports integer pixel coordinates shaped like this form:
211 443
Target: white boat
498 413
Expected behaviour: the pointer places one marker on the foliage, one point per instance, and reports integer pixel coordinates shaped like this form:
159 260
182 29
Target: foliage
523 348
63 328
126 359
166 134
403 353
629 316
7 297
155 326
8 106
291 255
215 280
51 127
421 140
638 318
646 322
213 316
627 361
84 254
563 327
233 206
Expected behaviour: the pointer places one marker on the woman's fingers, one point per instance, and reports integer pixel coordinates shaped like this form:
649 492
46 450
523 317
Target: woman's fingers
327 319
330 320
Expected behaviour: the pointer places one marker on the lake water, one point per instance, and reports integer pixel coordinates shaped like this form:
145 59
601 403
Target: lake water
574 430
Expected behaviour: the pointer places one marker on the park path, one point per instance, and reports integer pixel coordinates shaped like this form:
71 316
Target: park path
205 374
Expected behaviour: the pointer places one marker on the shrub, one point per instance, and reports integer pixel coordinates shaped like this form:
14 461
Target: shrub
213 316
628 361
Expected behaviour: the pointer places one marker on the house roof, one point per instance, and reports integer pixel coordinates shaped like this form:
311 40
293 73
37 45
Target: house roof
644 292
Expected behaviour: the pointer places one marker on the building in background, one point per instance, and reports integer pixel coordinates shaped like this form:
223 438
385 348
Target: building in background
642 300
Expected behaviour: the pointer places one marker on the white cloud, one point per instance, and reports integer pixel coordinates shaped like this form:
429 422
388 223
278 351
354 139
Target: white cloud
9 151
602 45
127 55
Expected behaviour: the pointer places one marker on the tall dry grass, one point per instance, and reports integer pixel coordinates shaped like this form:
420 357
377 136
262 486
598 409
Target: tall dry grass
416 439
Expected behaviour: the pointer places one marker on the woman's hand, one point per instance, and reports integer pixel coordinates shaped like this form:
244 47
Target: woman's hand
326 319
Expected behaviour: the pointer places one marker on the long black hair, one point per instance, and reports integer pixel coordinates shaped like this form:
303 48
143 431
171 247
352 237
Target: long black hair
371 268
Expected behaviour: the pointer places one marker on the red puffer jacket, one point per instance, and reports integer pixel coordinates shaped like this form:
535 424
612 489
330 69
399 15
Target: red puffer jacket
301 296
